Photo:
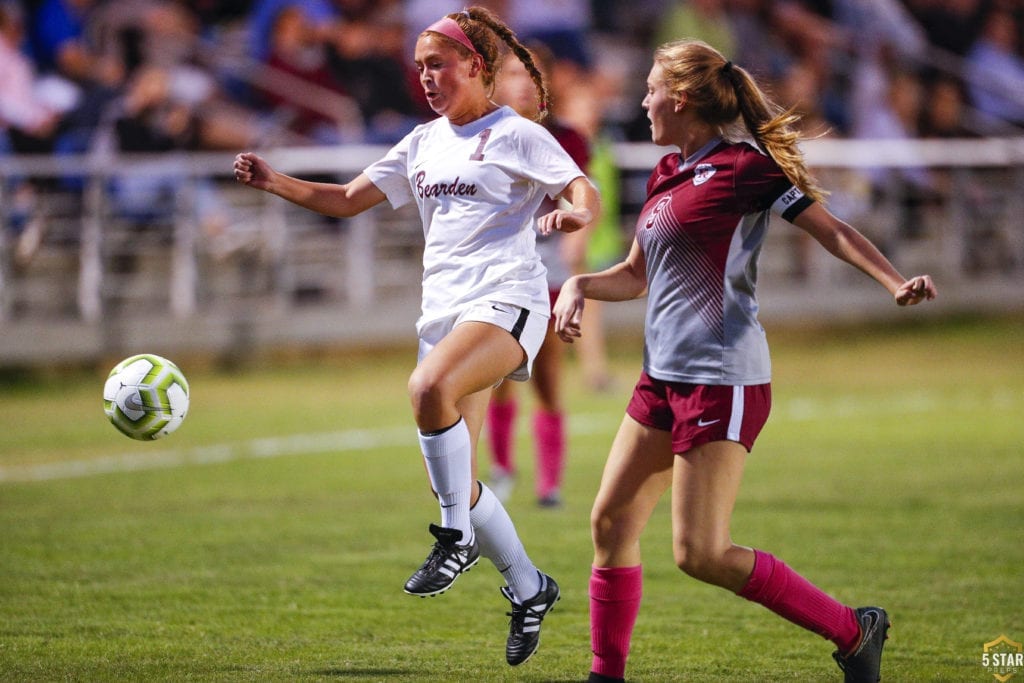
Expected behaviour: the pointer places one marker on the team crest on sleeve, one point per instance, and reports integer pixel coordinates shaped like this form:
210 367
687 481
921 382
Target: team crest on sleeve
703 173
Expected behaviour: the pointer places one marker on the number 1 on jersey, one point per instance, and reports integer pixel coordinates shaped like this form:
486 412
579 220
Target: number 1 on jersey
478 155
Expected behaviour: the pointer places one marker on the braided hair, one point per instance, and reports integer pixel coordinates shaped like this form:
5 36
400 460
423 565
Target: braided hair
726 95
484 28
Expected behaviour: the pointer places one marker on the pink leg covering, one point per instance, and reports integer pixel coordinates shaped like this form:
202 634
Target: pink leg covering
614 603
501 421
791 596
549 435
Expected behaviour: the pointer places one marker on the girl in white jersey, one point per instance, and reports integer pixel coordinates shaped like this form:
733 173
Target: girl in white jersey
477 174
704 392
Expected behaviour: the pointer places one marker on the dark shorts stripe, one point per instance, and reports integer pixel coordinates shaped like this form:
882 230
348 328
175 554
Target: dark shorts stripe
517 329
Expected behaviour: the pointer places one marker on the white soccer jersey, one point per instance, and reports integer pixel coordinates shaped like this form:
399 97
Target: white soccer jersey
477 187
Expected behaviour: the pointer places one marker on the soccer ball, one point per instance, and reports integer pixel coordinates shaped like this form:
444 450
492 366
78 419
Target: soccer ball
146 397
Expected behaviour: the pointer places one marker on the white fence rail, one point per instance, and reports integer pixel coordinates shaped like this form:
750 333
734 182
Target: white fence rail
103 255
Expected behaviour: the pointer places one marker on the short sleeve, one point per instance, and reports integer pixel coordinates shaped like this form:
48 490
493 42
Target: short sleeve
761 185
544 160
391 174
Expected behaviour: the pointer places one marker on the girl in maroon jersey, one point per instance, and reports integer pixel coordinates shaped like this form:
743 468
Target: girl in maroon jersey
704 393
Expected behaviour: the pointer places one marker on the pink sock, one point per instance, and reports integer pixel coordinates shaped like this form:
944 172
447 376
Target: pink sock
549 436
501 421
791 596
614 603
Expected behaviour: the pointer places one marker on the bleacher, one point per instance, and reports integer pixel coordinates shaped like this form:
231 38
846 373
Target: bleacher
100 285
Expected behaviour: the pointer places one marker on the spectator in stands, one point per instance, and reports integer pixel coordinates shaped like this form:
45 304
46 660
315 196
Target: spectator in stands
888 106
166 35
994 69
757 43
215 13
564 27
29 118
62 49
300 87
153 32
323 15
952 25
154 120
28 124
946 115
368 55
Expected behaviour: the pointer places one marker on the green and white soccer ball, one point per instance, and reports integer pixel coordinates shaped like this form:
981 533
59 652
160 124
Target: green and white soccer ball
146 397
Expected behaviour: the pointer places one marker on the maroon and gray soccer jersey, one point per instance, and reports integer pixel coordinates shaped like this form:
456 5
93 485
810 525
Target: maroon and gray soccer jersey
701 231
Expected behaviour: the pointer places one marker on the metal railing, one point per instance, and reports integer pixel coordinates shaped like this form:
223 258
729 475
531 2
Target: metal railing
212 266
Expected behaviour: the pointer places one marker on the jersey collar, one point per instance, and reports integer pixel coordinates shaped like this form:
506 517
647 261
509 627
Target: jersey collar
691 161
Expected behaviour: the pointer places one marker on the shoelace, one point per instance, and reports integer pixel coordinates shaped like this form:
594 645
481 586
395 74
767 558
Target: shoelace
518 615
437 556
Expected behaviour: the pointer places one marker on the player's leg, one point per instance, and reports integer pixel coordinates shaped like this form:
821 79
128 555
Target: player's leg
473 357
451 381
531 592
465 362
705 485
549 420
502 411
638 470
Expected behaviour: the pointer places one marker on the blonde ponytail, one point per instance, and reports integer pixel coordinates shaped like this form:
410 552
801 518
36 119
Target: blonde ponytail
727 96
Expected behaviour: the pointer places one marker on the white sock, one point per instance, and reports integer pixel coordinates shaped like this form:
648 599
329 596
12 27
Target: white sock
449 458
500 543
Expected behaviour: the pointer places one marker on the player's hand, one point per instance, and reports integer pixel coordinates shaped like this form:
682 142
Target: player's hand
568 312
564 221
253 171
915 290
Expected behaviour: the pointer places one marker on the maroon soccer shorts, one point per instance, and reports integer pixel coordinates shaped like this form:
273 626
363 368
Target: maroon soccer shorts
697 414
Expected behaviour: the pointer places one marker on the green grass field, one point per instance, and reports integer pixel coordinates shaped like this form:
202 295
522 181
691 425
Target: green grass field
268 540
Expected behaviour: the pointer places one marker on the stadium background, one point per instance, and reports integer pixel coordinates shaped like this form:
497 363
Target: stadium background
266 539
122 226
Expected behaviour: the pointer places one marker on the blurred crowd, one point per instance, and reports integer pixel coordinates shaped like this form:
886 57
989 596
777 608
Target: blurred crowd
163 75
156 75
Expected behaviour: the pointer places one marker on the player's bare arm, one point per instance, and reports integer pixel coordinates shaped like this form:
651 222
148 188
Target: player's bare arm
330 199
585 208
846 243
622 282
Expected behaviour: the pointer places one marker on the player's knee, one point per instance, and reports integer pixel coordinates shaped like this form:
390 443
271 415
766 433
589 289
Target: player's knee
699 561
424 389
609 531
428 393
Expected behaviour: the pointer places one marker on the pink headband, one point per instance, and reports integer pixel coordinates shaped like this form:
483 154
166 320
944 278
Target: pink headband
450 28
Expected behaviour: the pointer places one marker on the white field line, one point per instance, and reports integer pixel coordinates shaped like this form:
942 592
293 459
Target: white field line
796 410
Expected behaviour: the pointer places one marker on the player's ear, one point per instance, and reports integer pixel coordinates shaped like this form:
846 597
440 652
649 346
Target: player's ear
477 66
680 102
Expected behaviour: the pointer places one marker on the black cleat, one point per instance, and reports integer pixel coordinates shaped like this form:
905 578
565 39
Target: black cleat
446 561
601 678
864 664
524 628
